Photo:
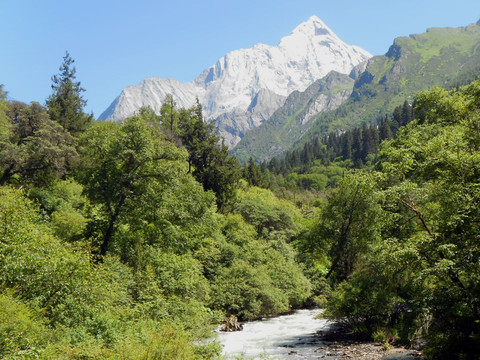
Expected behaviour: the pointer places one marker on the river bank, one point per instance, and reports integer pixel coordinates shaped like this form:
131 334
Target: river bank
337 343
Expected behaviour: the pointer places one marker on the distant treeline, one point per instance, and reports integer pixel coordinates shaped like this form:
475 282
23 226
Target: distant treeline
359 145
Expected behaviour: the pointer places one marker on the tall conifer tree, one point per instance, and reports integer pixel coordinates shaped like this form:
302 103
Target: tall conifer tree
65 104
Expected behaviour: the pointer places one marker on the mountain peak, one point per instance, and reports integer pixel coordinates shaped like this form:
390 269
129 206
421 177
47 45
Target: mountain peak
229 90
313 26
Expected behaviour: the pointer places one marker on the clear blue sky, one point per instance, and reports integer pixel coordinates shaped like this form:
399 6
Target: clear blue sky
117 43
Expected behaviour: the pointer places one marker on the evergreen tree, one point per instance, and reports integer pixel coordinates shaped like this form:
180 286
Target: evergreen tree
357 148
407 113
369 141
274 165
209 160
385 129
65 104
252 172
169 117
347 145
32 146
317 148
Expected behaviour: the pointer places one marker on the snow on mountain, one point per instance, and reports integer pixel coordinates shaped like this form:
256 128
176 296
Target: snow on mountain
243 88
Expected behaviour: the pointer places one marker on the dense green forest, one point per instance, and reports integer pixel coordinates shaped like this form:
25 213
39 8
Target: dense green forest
320 163
131 240
134 240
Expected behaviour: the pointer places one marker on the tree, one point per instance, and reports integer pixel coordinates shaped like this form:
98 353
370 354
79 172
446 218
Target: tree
65 104
253 173
437 189
169 116
252 277
121 164
348 224
6 126
33 146
209 160
421 281
272 217
144 193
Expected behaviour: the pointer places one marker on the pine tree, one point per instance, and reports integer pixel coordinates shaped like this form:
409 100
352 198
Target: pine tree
209 160
65 104
347 145
252 172
357 148
169 116
369 141
407 113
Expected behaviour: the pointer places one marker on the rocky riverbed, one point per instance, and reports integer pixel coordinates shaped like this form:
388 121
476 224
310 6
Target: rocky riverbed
337 343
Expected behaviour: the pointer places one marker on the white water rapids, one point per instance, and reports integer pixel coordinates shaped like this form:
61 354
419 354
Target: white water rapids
283 337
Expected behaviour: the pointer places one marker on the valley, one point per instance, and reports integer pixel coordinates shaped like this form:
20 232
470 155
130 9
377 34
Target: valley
282 180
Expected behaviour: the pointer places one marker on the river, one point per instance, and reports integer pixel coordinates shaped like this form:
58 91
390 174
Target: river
283 337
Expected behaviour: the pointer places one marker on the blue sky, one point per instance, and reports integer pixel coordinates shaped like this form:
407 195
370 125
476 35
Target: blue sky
118 43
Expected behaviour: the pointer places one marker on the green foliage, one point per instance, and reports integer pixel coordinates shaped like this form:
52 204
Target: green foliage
22 333
32 146
95 311
209 160
46 273
123 167
124 255
248 292
49 275
66 206
421 281
252 173
349 224
5 125
180 276
152 344
169 116
267 213
257 277
65 104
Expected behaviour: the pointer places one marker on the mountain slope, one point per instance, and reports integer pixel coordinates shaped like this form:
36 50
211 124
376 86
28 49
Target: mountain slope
435 58
294 118
244 87
441 56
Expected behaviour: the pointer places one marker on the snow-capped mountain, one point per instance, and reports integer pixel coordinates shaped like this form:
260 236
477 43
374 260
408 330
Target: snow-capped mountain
246 86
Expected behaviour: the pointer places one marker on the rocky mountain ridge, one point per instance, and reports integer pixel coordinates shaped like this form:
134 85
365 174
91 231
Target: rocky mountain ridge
244 88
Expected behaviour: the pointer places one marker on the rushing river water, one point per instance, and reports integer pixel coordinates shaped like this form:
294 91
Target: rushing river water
283 337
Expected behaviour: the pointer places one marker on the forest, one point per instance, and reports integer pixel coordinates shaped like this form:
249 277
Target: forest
134 240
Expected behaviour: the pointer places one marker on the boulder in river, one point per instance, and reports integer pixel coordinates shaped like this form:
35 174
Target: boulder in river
231 324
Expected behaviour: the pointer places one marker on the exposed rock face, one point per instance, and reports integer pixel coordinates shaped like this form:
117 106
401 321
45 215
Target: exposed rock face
294 117
233 125
246 86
